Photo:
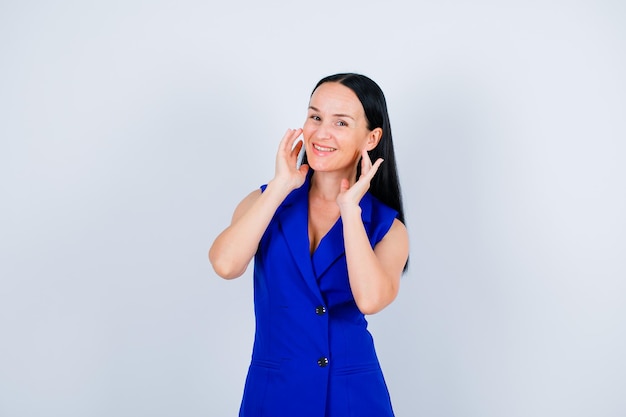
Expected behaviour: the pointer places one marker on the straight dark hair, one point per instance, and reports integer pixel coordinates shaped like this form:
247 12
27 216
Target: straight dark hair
386 184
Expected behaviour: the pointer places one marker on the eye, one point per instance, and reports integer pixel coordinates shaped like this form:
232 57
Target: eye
341 123
315 117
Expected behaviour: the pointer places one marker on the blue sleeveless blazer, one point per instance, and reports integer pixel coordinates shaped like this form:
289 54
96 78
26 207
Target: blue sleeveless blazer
313 355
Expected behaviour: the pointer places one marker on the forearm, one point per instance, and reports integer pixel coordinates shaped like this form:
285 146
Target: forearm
233 249
372 286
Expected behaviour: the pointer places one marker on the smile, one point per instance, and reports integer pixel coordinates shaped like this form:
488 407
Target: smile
323 149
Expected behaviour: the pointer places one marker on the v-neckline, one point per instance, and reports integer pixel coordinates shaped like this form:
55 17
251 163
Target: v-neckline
324 237
312 251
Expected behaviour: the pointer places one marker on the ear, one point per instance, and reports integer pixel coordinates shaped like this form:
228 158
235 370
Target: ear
373 138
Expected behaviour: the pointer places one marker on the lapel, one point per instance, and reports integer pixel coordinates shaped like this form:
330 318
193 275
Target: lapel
294 224
331 246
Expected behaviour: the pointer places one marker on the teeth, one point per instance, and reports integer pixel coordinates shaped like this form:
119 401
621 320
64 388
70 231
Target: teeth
322 149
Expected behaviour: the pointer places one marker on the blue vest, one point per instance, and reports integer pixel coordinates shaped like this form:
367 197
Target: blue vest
313 355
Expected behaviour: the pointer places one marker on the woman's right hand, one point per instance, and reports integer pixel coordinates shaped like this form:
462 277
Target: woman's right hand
234 248
287 175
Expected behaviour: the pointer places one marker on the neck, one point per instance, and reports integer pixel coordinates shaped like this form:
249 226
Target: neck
326 185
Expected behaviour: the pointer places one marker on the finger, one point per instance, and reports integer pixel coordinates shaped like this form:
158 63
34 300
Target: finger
366 162
370 173
304 169
286 144
365 158
295 133
285 140
345 185
297 147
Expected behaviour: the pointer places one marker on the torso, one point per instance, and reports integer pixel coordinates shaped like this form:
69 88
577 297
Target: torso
285 378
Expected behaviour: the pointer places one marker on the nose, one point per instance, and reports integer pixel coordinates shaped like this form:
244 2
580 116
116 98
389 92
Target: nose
323 131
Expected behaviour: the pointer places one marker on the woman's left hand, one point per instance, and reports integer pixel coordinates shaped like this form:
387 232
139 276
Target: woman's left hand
351 196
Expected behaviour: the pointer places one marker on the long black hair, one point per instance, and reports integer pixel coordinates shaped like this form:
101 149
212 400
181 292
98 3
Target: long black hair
385 185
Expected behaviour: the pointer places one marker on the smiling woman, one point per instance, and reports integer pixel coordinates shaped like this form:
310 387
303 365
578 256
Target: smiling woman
330 245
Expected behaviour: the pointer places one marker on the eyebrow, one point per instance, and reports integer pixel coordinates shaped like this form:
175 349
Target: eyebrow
335 115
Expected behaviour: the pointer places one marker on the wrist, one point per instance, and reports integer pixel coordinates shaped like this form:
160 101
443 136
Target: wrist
350 210
279 187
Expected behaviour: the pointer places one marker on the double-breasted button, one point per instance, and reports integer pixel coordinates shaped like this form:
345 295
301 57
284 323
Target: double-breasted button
320 310
322 362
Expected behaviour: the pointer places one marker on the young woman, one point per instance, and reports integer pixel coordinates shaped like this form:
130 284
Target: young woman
329 247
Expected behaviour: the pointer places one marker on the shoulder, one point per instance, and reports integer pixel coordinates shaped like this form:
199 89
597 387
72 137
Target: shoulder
394 247
398 231
397 236
377 212
377 217
388 216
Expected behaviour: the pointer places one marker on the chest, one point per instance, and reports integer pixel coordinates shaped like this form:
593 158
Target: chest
321 218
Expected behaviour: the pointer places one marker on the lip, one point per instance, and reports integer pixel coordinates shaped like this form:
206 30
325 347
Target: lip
322 150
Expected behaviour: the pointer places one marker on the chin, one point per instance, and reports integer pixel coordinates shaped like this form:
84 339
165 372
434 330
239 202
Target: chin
313 163
330 164
317 167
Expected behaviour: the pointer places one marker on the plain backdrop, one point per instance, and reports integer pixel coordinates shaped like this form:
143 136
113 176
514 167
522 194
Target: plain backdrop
130 130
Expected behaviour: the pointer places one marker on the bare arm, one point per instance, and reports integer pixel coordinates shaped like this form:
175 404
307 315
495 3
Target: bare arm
374 274
234 248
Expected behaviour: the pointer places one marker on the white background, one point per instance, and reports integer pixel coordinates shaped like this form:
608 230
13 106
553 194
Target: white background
129 131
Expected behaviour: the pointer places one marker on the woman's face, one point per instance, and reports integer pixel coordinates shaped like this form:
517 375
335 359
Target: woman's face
335 131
